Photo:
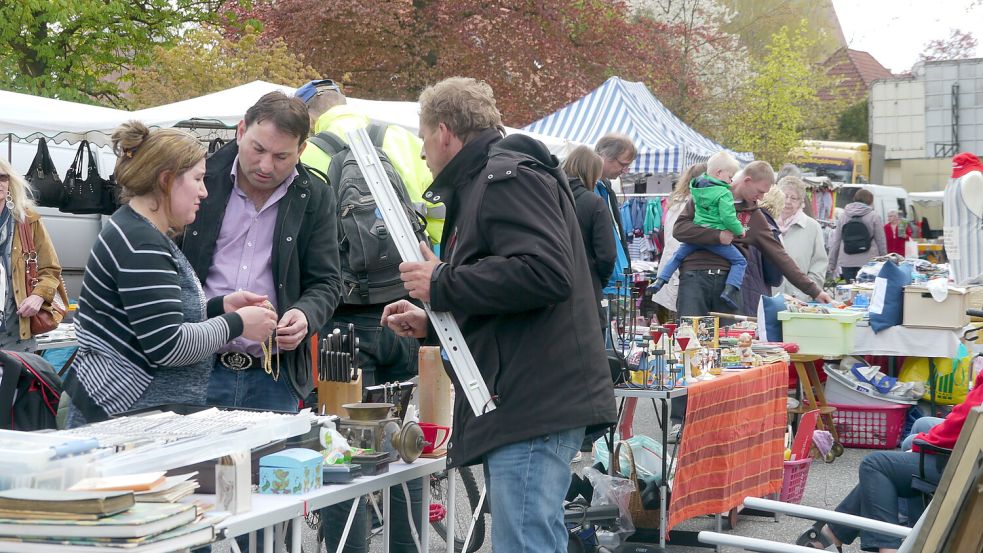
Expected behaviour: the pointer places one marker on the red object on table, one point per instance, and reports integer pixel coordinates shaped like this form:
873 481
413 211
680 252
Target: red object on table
733 442
671 327
683 341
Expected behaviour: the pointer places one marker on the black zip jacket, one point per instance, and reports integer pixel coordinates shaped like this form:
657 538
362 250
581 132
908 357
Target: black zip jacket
517 281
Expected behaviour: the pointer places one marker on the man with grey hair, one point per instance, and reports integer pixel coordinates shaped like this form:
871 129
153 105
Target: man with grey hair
618 152
514 273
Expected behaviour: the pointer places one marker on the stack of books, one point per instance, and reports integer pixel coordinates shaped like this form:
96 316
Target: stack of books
151 487
35 520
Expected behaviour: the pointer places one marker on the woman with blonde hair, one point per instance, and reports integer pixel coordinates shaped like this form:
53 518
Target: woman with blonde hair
583 168
146 334
17 215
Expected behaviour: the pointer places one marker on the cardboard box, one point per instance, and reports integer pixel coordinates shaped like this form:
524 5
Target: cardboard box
290 471
921 310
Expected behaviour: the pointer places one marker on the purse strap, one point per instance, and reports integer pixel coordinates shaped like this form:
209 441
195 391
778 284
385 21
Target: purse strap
30 255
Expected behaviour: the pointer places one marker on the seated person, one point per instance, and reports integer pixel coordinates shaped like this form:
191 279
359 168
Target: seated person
885 476
713 202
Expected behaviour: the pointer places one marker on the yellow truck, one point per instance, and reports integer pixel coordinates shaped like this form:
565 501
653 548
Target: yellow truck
847 162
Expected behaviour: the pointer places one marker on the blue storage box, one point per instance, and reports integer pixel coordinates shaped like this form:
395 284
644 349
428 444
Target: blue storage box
294 470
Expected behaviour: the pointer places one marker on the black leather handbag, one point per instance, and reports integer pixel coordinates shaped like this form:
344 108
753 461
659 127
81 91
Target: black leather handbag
84 190
110 196
43 178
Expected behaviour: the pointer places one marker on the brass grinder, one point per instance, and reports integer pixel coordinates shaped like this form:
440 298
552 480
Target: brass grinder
371 426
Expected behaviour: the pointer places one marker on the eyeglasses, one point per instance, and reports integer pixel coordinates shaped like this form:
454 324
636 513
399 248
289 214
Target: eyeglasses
4 177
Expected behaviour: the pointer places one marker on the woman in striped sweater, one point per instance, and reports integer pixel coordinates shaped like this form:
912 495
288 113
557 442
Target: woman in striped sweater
146 335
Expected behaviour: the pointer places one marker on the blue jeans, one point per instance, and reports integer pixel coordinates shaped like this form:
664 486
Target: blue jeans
885 476
251 388
923 424
738 265
527 482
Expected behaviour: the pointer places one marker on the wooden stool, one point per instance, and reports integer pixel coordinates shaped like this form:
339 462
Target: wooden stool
814 397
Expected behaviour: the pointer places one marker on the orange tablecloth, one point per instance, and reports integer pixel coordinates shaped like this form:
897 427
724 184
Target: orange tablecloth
733 440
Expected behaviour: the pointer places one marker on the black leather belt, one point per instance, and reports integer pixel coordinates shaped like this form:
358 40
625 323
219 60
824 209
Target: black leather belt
707 271
238 361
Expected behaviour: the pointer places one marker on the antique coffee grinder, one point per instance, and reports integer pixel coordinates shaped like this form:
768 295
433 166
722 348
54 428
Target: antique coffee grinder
372 426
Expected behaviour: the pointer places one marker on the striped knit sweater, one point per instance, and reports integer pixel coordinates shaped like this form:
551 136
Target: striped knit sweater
131 320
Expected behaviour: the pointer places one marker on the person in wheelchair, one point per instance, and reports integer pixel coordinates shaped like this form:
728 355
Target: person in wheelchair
887 476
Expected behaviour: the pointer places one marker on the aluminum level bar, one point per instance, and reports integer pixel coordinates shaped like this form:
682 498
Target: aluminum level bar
462 362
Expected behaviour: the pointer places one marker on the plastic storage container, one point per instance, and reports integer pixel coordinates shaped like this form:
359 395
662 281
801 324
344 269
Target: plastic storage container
794 478
841 389
866 426
827 334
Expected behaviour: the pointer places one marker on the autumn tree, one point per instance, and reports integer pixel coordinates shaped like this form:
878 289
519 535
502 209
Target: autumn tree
769 115
538 55
78 49
959 46
711 63
204 61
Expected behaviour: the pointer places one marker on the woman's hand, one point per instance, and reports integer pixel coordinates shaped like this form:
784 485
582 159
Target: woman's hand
30 306
258 322
242 298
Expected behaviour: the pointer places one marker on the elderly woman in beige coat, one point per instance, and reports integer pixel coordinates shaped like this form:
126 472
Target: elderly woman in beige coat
802 237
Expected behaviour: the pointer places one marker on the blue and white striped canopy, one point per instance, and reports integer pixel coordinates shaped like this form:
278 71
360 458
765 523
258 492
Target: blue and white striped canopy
665 144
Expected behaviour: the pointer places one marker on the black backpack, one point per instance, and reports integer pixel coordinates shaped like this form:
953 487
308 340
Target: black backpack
369 258
29 392
856 236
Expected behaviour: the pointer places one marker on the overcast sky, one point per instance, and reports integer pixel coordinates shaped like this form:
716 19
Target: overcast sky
895 31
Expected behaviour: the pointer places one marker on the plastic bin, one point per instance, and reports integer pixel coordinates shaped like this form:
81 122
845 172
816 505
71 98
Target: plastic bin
841 389
794 477
827 334
868 426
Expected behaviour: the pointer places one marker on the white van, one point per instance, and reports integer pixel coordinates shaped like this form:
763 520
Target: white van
886 198
72 235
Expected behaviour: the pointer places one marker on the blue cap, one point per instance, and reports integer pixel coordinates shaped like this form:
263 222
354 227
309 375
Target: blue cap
312 88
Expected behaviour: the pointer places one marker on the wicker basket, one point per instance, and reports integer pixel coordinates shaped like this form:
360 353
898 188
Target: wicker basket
640 516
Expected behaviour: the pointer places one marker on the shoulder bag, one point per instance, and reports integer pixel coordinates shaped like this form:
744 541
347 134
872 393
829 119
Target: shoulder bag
43 178
51 313
84 192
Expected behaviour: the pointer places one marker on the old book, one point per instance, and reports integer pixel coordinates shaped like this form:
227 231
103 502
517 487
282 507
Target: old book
141 520
132 482
188 535
31 500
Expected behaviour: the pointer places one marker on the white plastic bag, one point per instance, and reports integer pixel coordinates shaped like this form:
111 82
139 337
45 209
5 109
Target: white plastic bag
612 490
647 452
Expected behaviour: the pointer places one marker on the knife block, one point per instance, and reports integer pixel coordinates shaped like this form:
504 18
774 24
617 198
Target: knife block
332 395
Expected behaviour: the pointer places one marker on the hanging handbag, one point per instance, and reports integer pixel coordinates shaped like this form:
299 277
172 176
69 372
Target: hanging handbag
110 196
43 178
83 190
51 313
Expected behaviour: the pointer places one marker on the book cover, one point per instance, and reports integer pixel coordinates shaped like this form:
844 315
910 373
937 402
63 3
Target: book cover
143 519
132 482
61 501
207 522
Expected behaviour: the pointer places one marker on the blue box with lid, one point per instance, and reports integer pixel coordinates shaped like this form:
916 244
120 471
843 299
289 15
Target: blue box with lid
290 471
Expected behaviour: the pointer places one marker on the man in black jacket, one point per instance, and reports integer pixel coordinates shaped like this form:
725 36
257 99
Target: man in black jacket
514 274
268 226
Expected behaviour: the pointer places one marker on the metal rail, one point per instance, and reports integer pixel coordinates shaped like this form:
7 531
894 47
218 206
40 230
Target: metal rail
456 349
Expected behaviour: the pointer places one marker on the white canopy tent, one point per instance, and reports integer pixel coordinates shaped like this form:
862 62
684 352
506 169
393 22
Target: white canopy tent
28 118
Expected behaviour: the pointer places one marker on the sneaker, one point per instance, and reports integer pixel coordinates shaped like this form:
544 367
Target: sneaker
577 458
674 433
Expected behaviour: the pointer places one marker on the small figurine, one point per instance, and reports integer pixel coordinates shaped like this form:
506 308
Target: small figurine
744 346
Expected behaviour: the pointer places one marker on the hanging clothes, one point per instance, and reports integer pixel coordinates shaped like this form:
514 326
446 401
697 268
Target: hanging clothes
653 216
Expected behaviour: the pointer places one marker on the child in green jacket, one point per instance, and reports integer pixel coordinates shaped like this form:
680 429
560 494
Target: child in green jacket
713 204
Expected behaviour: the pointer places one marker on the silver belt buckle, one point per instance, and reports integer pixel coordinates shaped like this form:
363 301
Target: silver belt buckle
235 360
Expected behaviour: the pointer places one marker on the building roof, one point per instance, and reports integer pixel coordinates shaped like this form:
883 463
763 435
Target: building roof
856 71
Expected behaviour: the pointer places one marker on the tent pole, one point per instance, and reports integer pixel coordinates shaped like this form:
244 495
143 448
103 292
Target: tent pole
10 147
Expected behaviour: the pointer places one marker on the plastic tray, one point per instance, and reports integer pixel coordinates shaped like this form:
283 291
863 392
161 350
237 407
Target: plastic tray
841 389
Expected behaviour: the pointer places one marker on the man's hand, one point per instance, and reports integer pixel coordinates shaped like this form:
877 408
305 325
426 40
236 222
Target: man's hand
242 298
30 306
291 330
726 237
405 319
823 297
416 275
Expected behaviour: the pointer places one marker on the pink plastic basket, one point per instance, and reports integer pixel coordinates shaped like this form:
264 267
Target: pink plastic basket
794 479
866 426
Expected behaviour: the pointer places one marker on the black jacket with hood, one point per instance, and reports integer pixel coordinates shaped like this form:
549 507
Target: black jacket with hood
516 279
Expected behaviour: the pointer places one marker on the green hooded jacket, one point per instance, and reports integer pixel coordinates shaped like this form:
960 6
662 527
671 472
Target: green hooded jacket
714 205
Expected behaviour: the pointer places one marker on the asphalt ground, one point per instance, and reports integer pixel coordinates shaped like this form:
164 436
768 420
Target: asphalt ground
827 485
